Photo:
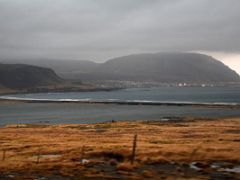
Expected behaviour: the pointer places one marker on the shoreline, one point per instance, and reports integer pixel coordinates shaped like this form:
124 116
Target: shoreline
120 102
163 121
60 90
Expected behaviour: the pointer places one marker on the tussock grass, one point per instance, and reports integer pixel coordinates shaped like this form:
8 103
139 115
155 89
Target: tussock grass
203 141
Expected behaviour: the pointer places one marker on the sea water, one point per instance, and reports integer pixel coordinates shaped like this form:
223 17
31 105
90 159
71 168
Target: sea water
54 113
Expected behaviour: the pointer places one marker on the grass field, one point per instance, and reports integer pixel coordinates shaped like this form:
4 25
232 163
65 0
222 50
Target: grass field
188 149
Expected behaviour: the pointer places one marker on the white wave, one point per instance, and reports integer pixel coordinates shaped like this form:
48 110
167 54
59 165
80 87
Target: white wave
112 99
120 101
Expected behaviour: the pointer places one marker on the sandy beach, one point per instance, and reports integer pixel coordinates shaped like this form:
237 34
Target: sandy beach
180 149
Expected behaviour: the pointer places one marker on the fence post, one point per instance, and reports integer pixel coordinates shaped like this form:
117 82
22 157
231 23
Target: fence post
82 153
38 156
134 149
4 155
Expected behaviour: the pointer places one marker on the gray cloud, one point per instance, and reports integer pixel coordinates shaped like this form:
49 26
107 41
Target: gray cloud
100 29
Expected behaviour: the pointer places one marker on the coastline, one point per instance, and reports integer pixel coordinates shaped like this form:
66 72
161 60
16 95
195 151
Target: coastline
57 90
119 102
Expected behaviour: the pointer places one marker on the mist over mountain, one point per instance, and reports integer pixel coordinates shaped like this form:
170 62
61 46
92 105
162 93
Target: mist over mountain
65 68
19 76
165 67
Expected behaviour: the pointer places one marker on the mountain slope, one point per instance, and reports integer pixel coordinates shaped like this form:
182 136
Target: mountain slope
69 69
167 67
17 76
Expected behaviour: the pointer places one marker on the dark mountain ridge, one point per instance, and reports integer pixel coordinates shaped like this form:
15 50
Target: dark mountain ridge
68 69
18 76
164 67
169 67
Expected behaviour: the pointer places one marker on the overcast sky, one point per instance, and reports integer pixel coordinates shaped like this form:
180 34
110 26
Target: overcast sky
101 29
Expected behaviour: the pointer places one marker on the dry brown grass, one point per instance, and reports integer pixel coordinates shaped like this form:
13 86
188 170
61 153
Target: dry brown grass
204 141
127 166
